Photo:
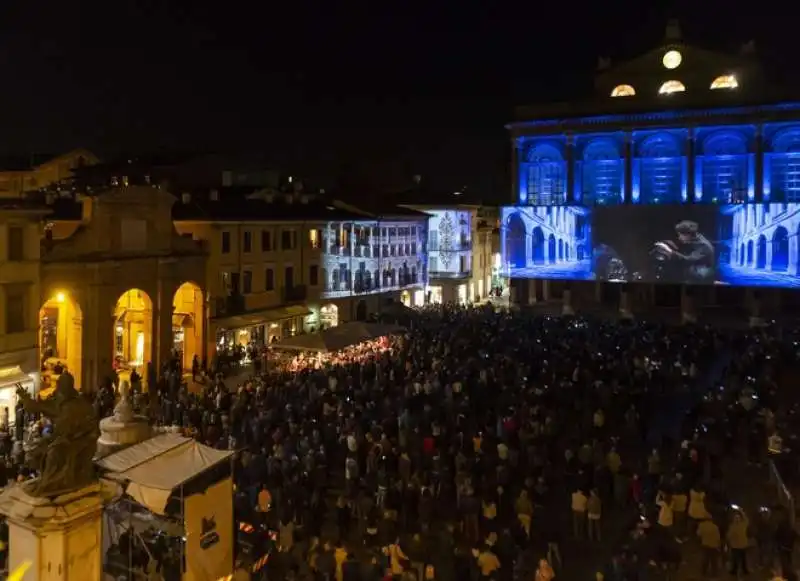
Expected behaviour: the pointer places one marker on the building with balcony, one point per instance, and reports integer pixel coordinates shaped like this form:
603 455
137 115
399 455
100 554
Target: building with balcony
459 249
120 288
20 232
374 259
282 263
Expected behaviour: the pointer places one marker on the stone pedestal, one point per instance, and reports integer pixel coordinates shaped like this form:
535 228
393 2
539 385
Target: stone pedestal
61 538
625 305
124 428
566 307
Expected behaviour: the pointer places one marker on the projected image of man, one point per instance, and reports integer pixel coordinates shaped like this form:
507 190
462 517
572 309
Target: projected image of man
690 258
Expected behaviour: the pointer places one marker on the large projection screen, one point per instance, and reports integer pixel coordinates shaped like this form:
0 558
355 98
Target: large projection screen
742 244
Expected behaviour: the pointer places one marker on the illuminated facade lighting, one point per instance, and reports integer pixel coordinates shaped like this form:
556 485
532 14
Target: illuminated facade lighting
623 91
671 87
672 59
725 82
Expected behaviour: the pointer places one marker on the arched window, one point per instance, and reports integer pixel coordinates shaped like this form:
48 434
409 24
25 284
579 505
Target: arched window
545 175
725 82
623 91
601 173
784 166
671 87
724 167
659 169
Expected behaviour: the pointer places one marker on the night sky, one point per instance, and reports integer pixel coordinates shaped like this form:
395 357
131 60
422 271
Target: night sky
407 87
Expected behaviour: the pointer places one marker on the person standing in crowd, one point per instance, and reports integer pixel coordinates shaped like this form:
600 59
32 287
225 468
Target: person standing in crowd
738 540
482 430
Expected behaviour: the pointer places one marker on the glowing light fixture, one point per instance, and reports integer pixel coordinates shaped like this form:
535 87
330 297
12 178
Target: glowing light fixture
725 82
60 297
623 91
672 59
671 87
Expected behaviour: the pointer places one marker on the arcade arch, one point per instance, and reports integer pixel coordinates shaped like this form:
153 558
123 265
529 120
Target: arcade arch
187 323
60 338
133 331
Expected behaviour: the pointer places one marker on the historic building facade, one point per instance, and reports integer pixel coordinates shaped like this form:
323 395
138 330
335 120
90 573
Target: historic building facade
282 263
371 260
20 232
120 288
459 253
677 125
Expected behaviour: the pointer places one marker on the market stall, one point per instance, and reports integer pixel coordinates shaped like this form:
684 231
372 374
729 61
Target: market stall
177 501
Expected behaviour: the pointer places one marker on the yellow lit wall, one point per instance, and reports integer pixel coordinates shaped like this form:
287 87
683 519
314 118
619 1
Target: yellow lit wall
257 261
25 275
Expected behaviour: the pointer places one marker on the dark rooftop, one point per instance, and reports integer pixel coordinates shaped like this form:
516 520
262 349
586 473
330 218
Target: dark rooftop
240 204
24 162
696 68
23 205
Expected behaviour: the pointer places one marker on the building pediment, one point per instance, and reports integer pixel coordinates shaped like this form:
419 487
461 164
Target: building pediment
122 223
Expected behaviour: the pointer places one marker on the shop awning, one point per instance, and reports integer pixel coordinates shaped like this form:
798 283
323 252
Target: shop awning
13 375
154 468
182 320
260 317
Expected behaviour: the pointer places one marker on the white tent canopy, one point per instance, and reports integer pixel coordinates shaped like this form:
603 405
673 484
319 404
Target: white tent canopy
154 468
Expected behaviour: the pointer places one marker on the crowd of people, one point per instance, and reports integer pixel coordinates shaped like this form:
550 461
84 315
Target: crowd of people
498 444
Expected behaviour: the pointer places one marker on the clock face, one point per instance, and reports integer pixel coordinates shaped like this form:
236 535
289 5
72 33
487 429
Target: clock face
672 59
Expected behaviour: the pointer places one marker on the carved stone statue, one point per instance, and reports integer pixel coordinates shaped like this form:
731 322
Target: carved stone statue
64 457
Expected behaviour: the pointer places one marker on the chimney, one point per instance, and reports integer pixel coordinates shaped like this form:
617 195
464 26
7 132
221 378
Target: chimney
213 195
186 198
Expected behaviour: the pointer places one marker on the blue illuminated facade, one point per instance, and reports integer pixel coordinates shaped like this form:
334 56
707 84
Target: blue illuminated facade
763 244
547 241
735 163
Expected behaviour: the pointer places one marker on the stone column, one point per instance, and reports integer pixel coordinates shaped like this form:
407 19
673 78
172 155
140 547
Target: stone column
598 292
531 285
690 165
570 159
624 303
758 163
628 167
515 169
161 351
566 306
756 318
97 337
688 314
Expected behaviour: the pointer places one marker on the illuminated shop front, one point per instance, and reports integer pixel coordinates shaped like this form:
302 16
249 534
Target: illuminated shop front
461 293
329 316
133 331
419 298
405 298
12 376
260 328
439 294
187 323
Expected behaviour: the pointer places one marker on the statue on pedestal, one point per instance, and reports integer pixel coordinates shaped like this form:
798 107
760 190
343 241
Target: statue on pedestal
64 457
